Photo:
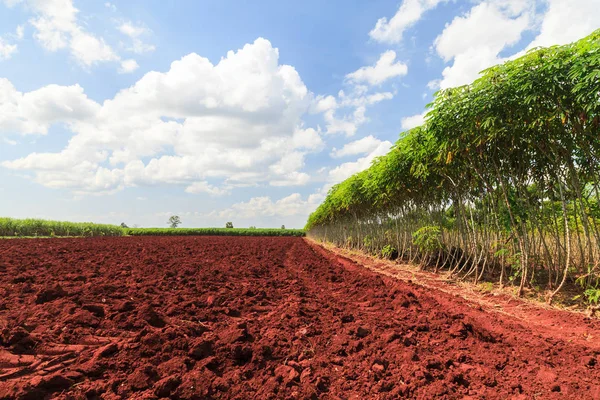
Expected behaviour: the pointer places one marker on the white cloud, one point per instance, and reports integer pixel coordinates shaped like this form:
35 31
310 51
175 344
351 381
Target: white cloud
286 170
385 68
408 14
89 50
413 121
6 50
566 21
205 187
346 170
238 121
356 100
20 32
54 22
110 6
57 27
131 30
9 142
308 139
348 124
34 112
347 112
362 146
323 104
294 178
128 66
292 205
475 41
434 84
135 32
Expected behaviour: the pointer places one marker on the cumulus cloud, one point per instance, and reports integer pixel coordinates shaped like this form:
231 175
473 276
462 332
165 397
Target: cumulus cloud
323 104
385 68
307 139
135 33
346 170
478 39
365 145
57 27
582 15
409 13
131 30
6 50
346 112
474 41
33 112
413 121
89 49
205 187
434 84
238 121
353 106
128 66
292 205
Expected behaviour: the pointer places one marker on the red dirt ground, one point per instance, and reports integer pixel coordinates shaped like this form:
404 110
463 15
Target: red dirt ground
258 318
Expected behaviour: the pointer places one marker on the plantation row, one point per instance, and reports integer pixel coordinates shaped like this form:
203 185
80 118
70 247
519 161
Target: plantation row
501 182
42 228
213 232
10 227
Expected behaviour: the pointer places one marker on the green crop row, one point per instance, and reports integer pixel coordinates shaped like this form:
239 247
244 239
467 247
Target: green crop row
502 179
10 227
212 232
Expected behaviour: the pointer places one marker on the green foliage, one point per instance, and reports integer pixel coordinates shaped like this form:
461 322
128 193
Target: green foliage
229 225
368 242
349 241
213 232
10 227
174 221
530 118
428 239
592 295
514 156
389 252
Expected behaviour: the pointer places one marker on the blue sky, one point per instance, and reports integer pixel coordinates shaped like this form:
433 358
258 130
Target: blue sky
243 111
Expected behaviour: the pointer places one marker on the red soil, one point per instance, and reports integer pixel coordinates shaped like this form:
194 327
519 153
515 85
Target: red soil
229 317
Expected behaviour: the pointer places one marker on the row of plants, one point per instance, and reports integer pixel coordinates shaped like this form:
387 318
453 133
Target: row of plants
501 182
213 232
10 227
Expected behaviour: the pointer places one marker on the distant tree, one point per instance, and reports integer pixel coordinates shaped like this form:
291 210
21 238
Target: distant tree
282 226
229 225
252 227
124 225
174 221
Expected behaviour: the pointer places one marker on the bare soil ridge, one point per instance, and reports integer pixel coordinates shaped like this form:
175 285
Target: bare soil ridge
256 318
546 320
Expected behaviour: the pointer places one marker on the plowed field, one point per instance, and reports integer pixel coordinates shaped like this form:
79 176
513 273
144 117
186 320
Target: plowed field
259 318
